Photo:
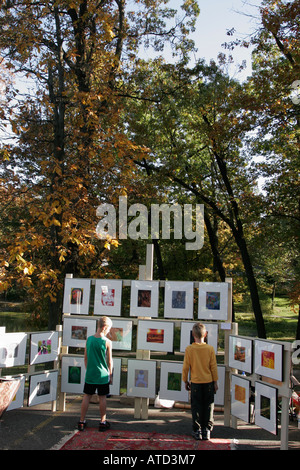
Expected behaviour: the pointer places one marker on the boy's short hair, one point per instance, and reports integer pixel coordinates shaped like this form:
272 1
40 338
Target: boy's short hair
199 330
104 322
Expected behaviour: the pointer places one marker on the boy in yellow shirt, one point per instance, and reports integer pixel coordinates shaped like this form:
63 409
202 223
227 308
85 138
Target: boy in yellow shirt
200 361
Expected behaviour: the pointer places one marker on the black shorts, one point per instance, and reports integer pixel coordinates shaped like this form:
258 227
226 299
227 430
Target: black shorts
90 389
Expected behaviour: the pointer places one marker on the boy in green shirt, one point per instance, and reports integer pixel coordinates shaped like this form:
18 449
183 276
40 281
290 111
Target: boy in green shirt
98 376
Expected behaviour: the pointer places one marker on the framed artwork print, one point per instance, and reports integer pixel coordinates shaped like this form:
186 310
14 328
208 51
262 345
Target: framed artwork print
77 296
108 295
213 301
77 330
18 400
144 298
220 394
240 397
266 406
186 336
240 353
121 334
179 299
12 349
72 374
155 335
268 359
141 378
43 347
171 385
42 388
114 388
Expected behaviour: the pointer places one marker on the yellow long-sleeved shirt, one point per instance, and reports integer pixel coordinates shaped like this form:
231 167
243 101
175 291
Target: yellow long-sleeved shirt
201 360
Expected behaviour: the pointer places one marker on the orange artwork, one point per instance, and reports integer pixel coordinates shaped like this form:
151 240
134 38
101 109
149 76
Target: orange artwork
268 359
240 393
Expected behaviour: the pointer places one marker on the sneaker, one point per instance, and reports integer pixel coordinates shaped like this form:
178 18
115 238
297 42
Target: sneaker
81 425
196 435
104 426
206 435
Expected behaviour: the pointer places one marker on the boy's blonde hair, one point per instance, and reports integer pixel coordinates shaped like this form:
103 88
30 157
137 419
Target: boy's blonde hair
104 322
199 330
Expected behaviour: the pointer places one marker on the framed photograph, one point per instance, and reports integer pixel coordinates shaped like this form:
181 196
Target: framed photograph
42 388
144 298
77 296
213 301
18 400
108 295
240 353
12 349
268 359
155 335
171 385
77 330
220 395
72 374
186 336
43 347
121 334
141 378
114 388
266 407
240 397
179 299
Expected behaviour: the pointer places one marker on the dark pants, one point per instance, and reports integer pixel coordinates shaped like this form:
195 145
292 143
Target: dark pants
202 405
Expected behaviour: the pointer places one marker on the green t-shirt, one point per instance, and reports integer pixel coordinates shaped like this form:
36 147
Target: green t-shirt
97 370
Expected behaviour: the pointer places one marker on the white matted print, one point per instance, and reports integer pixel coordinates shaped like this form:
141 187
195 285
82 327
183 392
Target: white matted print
179 299
43 347
155 335
42 388
171 385
18 400
12 349
77 296
186 336
268 359
266 406
72 374
121 334
220 394
144 298
77 330
108 295
213 301
240 397
240 353
114 387
141 378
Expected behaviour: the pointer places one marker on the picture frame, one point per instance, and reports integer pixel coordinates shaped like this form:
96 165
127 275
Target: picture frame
18 400
108 297
171 385
186 334
121 334
114 388
43 347
77 330
213 301
155 335
240 397
13 349
266 407
141 378
179 299
268 359
219 398
77 296
144 298
240 353
42 387
72 374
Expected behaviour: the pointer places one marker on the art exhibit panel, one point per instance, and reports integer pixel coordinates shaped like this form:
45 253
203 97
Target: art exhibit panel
268 359
121 334
72 374
213 301
114 387
266 407
186 336
141 378
108 297
144 298
18 400
77 296
43 347
77 330
13 349
155 335
179 299
240 397
240 353
42 388
171 385
220 394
